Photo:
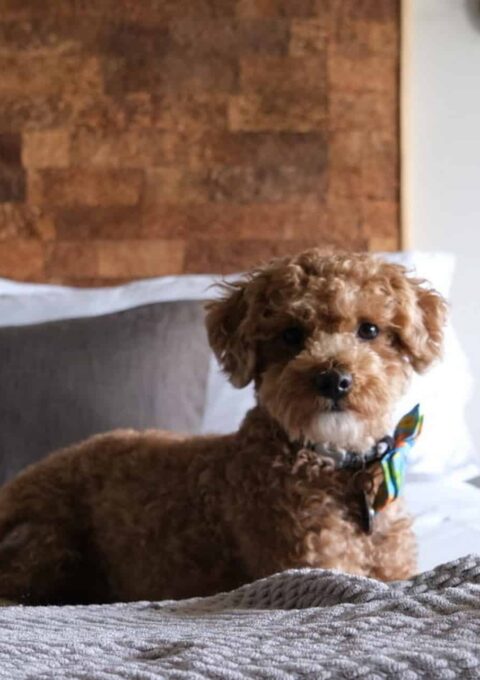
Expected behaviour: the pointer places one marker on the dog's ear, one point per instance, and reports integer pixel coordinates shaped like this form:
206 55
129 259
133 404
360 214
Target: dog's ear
229 338
420 322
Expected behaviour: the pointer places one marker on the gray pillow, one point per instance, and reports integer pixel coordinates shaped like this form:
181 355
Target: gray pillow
63 381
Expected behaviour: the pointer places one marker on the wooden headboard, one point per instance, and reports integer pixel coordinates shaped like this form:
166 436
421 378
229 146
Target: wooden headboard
141 138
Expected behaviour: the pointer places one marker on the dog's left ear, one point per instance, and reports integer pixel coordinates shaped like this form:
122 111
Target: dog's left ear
228 334
421 319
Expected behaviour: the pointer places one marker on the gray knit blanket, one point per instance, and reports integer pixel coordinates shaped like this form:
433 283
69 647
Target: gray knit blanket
297 624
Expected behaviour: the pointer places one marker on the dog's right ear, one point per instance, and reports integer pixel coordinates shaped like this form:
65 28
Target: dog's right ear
226 327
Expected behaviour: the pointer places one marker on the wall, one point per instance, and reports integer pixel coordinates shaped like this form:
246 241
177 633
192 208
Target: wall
140 138
442 148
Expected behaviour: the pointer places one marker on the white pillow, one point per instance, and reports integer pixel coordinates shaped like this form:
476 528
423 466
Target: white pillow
442 449
445 446
28 303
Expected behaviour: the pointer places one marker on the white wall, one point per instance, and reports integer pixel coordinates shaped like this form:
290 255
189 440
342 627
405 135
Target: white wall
441 145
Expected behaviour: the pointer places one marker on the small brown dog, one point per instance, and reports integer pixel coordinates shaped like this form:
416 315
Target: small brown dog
330 343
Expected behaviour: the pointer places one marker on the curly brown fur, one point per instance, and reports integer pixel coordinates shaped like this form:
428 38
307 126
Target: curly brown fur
144 515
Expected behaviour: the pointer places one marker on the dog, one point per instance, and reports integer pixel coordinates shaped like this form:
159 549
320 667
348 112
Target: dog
330 343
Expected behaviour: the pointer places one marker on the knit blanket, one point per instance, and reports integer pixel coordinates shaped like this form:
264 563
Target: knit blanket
306 623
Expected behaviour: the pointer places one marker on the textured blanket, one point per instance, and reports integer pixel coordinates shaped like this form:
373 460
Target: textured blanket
298 624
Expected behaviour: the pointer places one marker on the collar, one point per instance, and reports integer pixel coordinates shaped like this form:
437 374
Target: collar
379 474
349 460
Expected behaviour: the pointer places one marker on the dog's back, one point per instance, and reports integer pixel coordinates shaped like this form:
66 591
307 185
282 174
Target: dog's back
95 522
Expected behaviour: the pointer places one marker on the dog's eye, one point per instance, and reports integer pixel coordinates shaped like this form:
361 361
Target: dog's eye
368 331
293 336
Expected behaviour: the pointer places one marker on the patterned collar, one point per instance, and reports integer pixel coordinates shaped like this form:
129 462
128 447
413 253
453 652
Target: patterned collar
350 460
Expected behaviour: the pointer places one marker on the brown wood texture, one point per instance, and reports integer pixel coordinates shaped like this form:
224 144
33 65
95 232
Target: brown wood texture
149 137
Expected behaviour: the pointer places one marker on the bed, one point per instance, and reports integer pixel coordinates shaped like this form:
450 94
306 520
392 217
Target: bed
298 624
446 520
306 623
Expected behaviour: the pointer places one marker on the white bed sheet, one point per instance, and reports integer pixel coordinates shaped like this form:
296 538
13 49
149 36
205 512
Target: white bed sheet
446 520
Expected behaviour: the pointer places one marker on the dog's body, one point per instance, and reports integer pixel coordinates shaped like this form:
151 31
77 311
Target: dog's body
161 518
127 515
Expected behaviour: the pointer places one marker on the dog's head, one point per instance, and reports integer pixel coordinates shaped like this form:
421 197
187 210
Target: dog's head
330 342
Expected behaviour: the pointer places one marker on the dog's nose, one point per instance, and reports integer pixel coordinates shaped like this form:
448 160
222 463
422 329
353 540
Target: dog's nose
334 383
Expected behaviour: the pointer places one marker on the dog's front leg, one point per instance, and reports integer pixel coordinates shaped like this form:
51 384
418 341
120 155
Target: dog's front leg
394 545
299 528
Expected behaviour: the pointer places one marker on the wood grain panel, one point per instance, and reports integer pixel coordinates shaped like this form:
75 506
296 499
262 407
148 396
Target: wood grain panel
141 138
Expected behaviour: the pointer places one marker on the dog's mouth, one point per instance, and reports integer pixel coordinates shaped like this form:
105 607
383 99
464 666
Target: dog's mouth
335 406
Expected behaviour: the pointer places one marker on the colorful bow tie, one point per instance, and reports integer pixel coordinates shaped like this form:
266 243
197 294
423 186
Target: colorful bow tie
394 462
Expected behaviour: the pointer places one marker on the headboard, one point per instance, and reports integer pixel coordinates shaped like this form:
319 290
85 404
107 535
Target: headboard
141 138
